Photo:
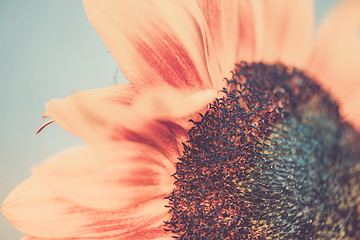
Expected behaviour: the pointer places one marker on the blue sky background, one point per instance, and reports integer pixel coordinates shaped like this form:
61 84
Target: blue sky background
48 49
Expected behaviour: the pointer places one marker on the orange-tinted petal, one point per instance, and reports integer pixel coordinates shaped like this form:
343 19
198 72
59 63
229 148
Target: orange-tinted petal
88 114
109 177
35 238
38 238
157 42
97 115
222 18
288 31
336 58
149 234
350 109
152 233
165 103
40 212
155 233
164 136
263 30
252 30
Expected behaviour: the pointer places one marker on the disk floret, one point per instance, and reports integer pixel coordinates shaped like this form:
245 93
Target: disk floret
238 177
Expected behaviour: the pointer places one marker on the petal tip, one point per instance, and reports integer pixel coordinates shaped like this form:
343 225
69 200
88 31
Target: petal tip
43 126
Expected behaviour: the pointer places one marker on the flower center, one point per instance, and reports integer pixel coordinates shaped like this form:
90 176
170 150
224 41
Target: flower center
271 159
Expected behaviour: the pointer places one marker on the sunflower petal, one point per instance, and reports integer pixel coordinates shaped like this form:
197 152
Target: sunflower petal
155 233
222 18
288 31
88 114
109 177
157 42
37 210
164 136
336 59
96 116
149 234
163 103
252 30
38 238
34 238
350 110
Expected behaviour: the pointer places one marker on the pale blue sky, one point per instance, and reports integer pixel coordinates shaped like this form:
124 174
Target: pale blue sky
48 49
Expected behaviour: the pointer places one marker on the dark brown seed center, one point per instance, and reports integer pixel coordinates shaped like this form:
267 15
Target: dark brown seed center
272 159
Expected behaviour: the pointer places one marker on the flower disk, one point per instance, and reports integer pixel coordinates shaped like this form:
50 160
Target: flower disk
271 159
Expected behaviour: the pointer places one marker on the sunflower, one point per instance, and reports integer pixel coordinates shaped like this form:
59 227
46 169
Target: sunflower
224 132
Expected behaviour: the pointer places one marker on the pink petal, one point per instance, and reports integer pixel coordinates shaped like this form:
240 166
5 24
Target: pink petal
251 20
165 114
156 233
38 238
336 59
165 136
97 115
40 212
149 234
109 177
33 238
222 18
157 42
288 31
350 109
88 114
165 103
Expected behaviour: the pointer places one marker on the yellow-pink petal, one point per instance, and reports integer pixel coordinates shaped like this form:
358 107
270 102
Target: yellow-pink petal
35 238
148 234
336 58
164 136
152 233
90 114
97 116
95 191
350 109
157 42
288 31
252 30
222 18
38 211
165 103
109 177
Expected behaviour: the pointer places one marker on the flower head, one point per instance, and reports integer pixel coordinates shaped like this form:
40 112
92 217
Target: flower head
224 131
